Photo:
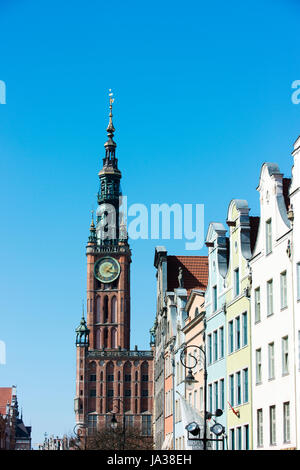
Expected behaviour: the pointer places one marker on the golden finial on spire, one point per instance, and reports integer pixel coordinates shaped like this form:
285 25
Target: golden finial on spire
92 226
110 129
111 99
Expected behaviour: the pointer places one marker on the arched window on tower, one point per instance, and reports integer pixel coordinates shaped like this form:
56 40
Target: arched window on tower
98 310
113 338
113 309
105 337
105 309
98 338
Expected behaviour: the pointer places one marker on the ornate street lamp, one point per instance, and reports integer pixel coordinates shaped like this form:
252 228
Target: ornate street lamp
114 422
193 428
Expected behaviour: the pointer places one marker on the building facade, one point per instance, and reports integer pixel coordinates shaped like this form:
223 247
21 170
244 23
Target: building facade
243 230
194 338
273 329
110 377
294 218
216 336
14 435
176 277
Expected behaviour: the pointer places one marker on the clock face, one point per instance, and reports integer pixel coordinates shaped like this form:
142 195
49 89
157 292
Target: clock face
107 269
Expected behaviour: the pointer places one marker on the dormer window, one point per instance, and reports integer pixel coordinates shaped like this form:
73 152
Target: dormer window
236 282
215 298
268 236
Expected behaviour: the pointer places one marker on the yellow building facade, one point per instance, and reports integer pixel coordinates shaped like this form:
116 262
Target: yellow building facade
242 234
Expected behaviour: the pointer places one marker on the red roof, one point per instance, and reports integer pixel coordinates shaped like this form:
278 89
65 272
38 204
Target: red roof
5 396
194 271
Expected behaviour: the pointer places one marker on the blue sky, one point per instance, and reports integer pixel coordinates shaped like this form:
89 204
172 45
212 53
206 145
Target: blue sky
203 98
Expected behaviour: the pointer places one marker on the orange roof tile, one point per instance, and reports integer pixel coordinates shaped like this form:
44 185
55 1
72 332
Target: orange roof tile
194 270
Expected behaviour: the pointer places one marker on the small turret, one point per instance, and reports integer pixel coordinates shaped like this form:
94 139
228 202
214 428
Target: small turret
92 240
82 333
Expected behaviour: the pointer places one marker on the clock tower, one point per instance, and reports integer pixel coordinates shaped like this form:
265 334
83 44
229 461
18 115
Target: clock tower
110 378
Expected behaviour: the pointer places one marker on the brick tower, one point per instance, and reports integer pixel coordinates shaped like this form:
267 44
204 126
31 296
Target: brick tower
110 378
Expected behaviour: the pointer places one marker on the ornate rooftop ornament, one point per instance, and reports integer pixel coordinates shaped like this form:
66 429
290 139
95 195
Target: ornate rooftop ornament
180 277
82 332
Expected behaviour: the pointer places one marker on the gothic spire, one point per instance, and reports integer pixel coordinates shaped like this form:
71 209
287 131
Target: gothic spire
110 145
92 237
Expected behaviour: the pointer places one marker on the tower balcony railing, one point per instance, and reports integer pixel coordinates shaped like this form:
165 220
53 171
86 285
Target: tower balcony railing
111 248
108 197
118 353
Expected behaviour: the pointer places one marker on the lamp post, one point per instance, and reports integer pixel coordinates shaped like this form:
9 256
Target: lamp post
114 422
190 380
78 432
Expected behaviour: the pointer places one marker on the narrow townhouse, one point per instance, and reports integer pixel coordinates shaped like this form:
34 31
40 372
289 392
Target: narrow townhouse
273 329
215 316
294 217
194 335
243 231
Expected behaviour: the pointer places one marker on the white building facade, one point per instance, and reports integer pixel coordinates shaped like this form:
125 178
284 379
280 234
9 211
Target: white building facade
272 320
294 216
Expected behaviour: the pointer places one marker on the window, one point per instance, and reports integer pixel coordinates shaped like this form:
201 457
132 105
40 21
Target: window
237 333
144 393
286 422
129 421
110 393
239 438
210 398
201 399
258 366
298 281
231 389
145 378
216 345
246 437
92 392
221 340
259 428
270 297
236 282
222 394
245 329
298 350
93 378
272 425
215 298
230 334
257 304
92 423
285 355
146 425
127 378
238 388
283 290
271 360
110 378
245 386
216 393
232 440
268 236
209 349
